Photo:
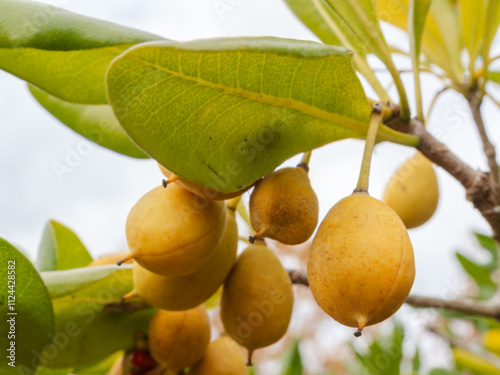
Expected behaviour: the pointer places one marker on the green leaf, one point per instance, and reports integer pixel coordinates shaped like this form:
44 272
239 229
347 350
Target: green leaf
481 275
87 309
62 53
99 368
472 13
441 29
95 122
416 362
327 26
441 371
418 12
224 112
386 350
490 245
66 283
49 371
34 319
311 13
360 17
292 361
61 249
494 77
492 21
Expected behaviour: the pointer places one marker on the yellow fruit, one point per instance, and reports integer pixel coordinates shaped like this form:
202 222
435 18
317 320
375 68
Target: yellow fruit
361 266
178 339
172 232
257 299
284 207
474 363
185 292
223 357
199 190
109 259
491 340
413 191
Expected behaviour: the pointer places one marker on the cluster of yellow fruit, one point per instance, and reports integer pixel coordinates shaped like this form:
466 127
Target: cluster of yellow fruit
183 239
184 246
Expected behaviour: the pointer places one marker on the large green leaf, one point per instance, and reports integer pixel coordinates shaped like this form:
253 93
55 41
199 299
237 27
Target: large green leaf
26 312
61 249
62 53
94 122
89 305
481 275
224 112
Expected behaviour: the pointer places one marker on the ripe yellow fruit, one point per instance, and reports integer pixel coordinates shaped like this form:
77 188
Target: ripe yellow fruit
178 339
199 190
361 266
109 259
413 191
172 232
223 357
491 340
257 299
185 292
284 207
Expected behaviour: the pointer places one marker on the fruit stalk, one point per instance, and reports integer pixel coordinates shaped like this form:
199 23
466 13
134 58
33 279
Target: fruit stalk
371 137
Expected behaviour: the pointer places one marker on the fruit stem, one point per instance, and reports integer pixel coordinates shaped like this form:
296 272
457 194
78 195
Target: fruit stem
129 295
371 137
126 259
249 363
169 180
257 236
304 163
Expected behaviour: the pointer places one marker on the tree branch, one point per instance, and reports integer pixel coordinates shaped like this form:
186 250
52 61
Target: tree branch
489 150
466 307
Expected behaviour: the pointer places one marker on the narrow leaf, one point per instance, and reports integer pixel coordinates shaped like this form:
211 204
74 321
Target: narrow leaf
95 122
225 112
63 53
292 361
472 13
418 16
481 275
61 249
26 310
327 25
99 368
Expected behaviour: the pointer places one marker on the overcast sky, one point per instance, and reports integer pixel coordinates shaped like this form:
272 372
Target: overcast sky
94 199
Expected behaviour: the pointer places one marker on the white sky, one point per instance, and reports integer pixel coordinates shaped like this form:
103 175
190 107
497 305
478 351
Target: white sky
94 199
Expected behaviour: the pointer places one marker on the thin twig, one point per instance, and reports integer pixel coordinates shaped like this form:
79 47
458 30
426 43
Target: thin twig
466 307
489 150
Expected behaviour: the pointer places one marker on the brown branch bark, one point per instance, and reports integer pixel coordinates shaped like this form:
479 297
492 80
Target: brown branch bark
466 307
480 189
488 148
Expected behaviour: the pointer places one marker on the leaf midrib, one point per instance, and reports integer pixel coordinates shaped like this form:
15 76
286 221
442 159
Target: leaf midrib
265 98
